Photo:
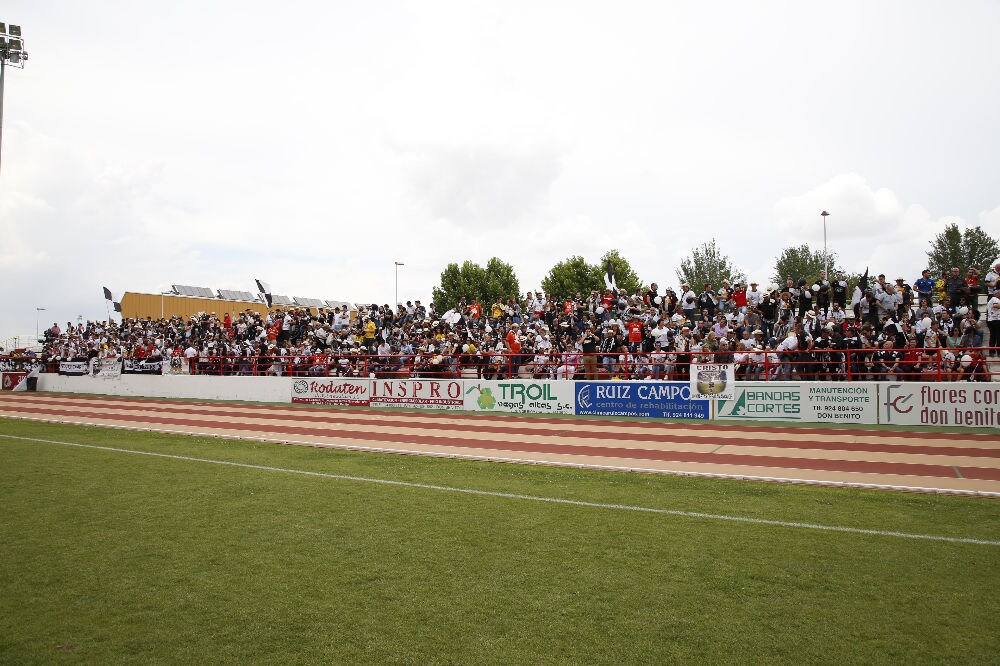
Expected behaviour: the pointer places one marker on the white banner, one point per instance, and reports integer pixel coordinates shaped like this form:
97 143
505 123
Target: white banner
177 365
332 391
143 366
807 402
419 393
73 367
520 396
713 381
940 403
108 368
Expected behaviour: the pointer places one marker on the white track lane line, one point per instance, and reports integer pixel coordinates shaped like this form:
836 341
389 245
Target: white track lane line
530 498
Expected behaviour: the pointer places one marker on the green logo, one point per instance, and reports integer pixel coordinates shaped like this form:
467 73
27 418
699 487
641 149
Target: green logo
738 407
486 399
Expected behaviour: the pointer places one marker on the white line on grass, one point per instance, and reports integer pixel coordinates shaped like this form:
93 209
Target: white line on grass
531 498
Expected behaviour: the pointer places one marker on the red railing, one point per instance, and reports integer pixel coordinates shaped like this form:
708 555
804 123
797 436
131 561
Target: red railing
910 364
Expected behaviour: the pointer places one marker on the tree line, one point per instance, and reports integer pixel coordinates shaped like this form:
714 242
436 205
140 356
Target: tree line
707 264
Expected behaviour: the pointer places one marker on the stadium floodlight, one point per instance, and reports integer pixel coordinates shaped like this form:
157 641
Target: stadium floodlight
11 53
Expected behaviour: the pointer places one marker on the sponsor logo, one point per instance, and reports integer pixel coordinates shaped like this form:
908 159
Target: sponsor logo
894 403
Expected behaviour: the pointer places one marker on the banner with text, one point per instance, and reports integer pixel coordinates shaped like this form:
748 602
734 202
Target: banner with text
135 366
808 402
73 368
332 391
418 393
520 396
942 403
713 381
107 368
670 400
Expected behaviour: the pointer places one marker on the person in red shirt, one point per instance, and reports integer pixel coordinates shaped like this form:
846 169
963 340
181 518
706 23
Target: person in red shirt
740 297
636 333
513 341
972 279
475 310
607 301
569 306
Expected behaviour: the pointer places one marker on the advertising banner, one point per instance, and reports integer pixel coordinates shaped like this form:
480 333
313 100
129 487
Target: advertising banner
332 391
942 403
8 380
807 402
520 396
419 393
713 381
73 368
669 400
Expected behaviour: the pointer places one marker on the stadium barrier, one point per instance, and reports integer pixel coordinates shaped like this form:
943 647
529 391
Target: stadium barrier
974 404
909 364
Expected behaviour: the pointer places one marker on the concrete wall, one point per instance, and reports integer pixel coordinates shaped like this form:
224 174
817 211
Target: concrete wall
262 389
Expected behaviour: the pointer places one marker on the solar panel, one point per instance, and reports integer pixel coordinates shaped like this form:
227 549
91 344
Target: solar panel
197 292
309 302
341 304
231 295
281 300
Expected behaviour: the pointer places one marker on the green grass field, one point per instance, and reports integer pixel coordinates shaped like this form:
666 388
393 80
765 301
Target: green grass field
110 557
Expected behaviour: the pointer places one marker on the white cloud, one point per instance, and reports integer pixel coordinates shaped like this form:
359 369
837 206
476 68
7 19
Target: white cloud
867 226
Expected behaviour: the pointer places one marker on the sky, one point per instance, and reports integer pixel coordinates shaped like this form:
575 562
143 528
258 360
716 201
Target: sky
313 144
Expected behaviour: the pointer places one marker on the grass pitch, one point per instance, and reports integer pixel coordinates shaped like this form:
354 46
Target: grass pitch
109 557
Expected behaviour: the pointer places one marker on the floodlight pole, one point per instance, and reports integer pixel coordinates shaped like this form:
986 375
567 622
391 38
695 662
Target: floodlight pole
37 310
826 257
398 264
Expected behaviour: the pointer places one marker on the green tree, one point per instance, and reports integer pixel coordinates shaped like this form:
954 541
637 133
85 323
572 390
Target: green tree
802 262
625 277
470 280
707 265
572 275
973 248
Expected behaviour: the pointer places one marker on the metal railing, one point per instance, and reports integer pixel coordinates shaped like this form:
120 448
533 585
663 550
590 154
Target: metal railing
905 364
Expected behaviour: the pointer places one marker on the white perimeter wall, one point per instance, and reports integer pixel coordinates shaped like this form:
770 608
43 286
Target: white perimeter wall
257 389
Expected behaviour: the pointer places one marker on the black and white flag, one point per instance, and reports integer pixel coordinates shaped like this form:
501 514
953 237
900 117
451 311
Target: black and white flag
109 297
265 291
609 276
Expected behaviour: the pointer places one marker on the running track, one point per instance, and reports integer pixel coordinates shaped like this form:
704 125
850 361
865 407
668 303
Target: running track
962 462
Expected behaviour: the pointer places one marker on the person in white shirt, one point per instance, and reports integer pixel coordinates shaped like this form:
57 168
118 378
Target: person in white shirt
993 323
661 334
689 301
992 279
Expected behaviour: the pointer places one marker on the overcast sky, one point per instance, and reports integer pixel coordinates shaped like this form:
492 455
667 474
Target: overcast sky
312 144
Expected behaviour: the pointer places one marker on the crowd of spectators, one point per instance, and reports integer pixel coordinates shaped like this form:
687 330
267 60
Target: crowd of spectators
805 328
